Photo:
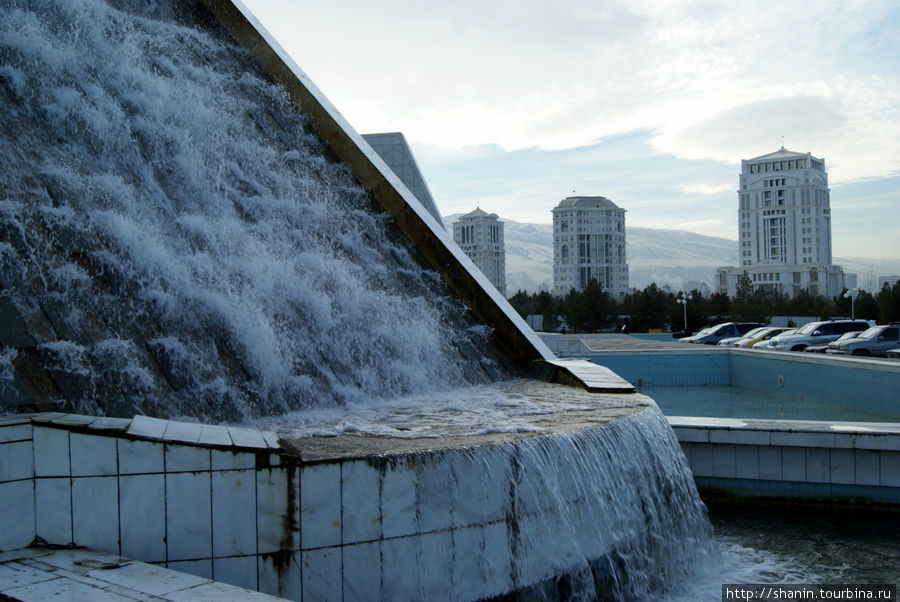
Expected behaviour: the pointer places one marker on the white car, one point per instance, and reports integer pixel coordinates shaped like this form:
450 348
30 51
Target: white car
876 341
816 333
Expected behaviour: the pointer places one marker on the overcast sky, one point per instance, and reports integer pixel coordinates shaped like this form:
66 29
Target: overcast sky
514 105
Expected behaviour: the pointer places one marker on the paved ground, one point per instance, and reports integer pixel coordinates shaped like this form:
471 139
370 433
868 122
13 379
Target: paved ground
81 574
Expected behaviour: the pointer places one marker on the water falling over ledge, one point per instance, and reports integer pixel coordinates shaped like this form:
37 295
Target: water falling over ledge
178 239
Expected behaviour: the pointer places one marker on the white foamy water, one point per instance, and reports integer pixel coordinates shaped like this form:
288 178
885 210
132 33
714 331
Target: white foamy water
178 242
513 406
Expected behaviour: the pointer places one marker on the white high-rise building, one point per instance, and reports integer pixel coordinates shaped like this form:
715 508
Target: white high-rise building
589 242
480 235
784 227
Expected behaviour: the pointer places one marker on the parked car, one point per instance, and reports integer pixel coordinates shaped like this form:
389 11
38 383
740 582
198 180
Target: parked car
894 353
714 334
730 341
816 333
761 335
875 341
844 337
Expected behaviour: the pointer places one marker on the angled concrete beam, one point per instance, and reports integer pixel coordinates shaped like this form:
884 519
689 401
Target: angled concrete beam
511 334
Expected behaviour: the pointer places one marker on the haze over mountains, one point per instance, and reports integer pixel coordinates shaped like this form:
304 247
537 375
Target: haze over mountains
666 257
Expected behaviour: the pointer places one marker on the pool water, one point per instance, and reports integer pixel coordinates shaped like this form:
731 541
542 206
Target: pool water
738 402
794 545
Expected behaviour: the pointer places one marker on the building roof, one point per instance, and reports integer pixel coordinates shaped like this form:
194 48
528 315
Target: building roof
477 213
587 202
781 153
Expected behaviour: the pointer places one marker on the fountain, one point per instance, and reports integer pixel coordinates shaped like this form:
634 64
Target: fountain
218 302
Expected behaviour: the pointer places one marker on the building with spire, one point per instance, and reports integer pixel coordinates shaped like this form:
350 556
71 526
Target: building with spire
589 242
784 221
480 235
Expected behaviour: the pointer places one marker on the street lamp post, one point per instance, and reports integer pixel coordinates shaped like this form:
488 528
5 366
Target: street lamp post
683 300
851 294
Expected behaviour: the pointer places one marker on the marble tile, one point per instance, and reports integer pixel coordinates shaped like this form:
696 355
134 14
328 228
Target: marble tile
214 434
95 513
239 571
361 514
16 575
321 575
228 460
435 494
247 437
16 461
188 516
234 513
16 432
186 458
150 428
17 529
802 439
149 579
436 562
724 461
770 466
51 452
184 432
398 574
691 434
398 501
818 465
740 436
702 459
793 464
279 575
866 467
469 563
890 469
498 563
278 509
140 457
198 568
320 506
362 572
142 517
53 510
62 589
217 591
746 462
112 425
92 455
842 467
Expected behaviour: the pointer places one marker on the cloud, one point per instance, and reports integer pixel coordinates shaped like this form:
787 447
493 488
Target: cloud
701 188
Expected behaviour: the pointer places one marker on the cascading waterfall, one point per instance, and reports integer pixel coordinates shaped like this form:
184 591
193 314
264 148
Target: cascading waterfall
178 244
635 519
175 242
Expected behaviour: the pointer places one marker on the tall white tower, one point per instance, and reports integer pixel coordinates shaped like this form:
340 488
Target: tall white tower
589 242
784 226
480 236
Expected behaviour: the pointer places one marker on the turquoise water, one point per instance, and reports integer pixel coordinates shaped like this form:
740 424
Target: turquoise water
738 402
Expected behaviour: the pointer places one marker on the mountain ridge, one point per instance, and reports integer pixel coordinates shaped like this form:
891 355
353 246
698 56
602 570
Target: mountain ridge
668 257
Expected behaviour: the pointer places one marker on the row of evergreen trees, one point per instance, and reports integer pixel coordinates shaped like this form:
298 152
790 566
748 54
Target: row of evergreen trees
594 310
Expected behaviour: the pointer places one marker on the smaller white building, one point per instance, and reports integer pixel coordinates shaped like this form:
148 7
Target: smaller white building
480 235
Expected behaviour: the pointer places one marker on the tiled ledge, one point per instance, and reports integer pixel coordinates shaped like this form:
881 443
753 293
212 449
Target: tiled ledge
789 433
831 462
155 429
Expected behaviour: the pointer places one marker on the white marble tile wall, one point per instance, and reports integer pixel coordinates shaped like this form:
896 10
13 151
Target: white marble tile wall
805 453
